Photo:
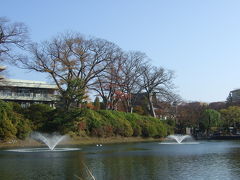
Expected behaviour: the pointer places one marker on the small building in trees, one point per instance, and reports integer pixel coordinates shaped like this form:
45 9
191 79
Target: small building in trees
140 103
27 92
217 105
163 109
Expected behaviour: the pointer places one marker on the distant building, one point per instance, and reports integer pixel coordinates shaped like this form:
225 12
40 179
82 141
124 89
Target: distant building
27 92
140 99
234 96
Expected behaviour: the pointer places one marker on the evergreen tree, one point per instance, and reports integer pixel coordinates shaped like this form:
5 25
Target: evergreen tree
96 104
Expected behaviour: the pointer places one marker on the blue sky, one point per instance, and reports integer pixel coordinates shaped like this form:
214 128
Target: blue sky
198 39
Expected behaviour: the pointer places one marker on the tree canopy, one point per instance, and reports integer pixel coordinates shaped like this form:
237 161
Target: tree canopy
13 36
210 118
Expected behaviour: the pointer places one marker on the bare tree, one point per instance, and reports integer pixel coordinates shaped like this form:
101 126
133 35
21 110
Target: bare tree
73 62
106 84
118 83
156 81
13 37
130 77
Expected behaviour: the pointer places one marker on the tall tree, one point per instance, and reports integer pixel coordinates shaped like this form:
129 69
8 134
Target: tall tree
189 115
156 81
130 77
73 62
106 84
210 118
96 104
119 81
230 116
13 36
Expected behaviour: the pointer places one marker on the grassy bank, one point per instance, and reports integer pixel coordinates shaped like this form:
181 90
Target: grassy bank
78 141
85 126
110 140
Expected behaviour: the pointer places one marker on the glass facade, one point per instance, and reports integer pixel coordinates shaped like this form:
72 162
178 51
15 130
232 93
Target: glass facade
26 92
27 96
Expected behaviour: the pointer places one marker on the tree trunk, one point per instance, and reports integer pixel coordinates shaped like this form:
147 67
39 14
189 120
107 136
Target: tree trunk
131 110
151 108
105 103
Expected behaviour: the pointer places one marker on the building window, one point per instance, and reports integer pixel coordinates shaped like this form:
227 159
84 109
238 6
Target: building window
5 92
25 104
23 92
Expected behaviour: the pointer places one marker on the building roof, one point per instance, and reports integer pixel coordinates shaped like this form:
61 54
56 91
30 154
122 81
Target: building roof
2 68
235 90
26 84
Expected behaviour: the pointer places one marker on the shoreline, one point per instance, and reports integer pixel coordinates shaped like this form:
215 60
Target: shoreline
77 141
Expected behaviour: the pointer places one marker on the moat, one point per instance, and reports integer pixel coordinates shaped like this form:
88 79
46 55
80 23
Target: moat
130 161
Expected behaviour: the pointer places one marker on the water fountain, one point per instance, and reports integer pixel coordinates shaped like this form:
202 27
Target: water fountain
179 139
50 140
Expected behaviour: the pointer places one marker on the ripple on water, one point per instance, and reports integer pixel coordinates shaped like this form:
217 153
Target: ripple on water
43 150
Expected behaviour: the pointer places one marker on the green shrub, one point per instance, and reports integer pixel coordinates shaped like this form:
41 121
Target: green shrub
152 130
38 114
17 107
23 126
104 123
118 122
162 130
7 128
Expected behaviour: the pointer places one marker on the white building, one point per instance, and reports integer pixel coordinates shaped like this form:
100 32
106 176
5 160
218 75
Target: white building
27 92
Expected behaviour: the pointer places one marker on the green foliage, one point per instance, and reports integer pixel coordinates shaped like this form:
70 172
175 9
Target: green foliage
7 128
122 127
12 124
17 107
151 130
210 118
171 122
73 95
96 104
38 114
230 116
153 127
106 123
16 122
135 121
62 121
95 123
23 126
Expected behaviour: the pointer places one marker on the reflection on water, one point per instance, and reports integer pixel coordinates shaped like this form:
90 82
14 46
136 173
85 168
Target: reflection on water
37 150
206 160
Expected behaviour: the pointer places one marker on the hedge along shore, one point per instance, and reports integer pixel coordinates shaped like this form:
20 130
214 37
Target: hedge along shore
78 141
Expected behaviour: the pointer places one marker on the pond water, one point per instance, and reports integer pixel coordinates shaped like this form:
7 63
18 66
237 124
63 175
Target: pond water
132 161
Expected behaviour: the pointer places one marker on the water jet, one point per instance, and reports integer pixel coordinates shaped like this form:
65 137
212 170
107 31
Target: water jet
179 139
50 140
